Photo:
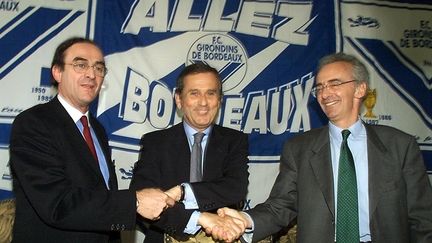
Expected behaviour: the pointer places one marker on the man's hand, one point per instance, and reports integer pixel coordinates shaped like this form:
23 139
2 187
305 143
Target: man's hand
222 212
225 228
175 193
151 202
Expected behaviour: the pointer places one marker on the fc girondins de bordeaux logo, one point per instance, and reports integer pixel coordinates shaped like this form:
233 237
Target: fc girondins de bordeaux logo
223 52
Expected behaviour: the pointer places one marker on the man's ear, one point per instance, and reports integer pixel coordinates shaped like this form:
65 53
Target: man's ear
361 90
177 100
56 72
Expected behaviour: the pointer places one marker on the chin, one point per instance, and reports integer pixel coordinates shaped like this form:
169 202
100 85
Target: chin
203 125
88 100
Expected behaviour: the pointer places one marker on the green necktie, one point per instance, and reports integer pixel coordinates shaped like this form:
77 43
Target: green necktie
347 228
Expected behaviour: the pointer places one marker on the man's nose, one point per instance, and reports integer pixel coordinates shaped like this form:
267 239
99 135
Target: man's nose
202 100
324 93
90 72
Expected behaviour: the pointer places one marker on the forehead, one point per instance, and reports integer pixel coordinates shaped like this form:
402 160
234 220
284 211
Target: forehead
84 50
337 70
201 81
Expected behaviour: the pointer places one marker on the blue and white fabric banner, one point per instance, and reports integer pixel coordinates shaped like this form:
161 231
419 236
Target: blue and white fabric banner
266 52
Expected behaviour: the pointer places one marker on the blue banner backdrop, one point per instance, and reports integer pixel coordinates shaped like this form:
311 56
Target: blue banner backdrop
266 51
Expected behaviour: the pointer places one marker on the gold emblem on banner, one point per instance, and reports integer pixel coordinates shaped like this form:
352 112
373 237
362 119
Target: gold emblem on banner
370 102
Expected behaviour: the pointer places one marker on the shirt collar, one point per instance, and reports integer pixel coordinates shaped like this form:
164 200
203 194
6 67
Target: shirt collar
190 131
73 112
356 130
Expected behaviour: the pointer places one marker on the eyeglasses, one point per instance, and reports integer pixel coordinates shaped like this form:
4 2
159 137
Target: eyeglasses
81 67
332 84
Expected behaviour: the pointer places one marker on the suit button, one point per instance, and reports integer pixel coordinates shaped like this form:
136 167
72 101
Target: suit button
168 239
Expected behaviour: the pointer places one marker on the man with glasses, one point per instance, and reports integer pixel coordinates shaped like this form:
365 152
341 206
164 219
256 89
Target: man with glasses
63 176
347 182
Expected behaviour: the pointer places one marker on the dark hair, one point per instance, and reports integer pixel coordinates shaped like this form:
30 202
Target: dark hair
359 70
59 55
196 68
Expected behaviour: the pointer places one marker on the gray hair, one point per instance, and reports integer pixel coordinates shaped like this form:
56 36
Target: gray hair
359 70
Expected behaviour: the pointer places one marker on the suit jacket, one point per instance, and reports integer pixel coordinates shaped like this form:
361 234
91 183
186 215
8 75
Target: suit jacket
60 192
165 162
400 195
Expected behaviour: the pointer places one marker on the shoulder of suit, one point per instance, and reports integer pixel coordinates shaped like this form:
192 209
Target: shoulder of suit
319 134
37 112
313 132
227 130
165 133
384 130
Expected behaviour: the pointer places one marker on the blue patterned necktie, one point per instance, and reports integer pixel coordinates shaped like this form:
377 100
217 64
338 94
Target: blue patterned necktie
347 228
196 158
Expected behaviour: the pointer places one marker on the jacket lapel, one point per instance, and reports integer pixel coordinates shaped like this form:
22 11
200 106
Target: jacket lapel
182 154
103 142
73 138
322 167
213 152
379 161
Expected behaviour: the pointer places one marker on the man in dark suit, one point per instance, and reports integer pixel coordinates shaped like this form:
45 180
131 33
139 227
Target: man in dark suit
393 196
165 160
63 177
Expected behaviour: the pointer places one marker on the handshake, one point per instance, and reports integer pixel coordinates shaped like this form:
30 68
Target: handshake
227 225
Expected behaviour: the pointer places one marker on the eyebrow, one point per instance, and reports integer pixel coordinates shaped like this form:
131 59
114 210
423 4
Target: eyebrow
331 80
83 59
79 59
204 91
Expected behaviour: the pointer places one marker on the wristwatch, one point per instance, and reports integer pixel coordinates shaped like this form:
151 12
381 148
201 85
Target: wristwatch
182 195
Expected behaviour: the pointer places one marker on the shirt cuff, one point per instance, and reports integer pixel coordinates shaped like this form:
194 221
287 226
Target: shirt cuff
248 234
249 230
247 237
192 226
189 201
